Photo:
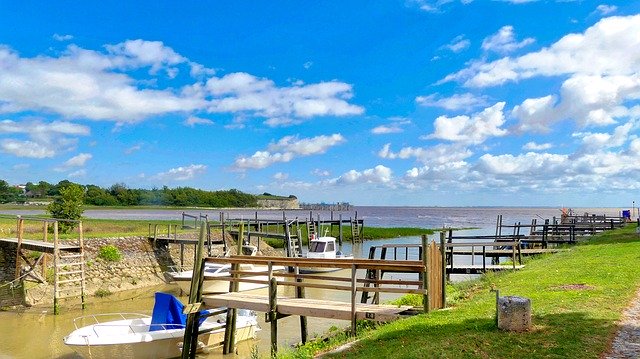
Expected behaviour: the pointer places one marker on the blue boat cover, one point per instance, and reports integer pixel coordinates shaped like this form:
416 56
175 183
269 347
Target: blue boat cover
167 313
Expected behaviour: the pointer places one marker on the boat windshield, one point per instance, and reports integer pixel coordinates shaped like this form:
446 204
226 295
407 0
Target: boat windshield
316 247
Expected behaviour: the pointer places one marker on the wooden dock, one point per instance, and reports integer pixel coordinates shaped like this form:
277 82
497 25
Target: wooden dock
41 246
309 307
430 284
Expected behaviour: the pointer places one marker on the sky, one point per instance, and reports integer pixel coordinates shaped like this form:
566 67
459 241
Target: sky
399 102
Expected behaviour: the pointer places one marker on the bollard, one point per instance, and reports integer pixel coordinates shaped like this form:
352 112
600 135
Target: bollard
514 313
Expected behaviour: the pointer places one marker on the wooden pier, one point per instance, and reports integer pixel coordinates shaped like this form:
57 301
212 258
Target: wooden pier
429 283
68 258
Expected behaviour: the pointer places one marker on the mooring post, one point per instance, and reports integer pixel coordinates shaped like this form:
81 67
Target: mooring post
190 340
19 230
425 274
353 300
56 262
300 294
443 254
273 315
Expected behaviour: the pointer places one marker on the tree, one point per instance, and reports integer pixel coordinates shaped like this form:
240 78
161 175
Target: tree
68 205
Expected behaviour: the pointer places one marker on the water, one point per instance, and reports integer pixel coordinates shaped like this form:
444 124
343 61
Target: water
423 217
37 333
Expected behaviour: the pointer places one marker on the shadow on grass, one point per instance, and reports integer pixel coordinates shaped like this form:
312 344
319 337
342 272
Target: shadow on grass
567 335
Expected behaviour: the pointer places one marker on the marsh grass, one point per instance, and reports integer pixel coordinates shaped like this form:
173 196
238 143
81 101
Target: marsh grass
577 297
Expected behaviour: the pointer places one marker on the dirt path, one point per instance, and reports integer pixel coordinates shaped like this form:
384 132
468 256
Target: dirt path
627 341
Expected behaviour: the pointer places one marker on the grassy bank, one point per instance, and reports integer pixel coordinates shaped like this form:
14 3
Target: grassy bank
577 296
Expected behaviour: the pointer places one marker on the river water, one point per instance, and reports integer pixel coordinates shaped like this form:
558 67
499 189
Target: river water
36 333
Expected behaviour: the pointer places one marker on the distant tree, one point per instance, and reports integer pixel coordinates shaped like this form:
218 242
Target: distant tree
68 205
8 193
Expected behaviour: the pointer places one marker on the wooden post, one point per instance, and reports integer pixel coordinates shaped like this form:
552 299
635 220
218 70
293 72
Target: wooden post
443 254
19 230
232 315
340 231
190 340
300 294
273 315
353 300
45 225
81 242
56 262
425 274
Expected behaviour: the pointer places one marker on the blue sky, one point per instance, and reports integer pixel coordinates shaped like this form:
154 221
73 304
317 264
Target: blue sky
449 103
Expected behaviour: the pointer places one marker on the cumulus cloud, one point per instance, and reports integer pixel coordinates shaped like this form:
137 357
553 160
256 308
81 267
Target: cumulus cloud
504 41
532 146
606 9
458 44
100 85
43 139
59 37
181 173
243 92
192 121
378 174
473 129
609 47
434 155
466 101
288 148
395 126
78 161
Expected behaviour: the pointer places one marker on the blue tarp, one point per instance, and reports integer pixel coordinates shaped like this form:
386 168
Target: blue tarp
167 313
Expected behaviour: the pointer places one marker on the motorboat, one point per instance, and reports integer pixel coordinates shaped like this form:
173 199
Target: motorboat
215 274
133 335
325 248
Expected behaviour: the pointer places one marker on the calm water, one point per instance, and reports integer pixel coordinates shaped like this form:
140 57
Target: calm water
424 217
37 333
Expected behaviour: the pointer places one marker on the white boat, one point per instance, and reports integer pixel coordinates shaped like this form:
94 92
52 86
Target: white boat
215 273
213 278
157 336
324 247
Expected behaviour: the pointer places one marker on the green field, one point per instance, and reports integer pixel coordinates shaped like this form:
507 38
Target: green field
577 297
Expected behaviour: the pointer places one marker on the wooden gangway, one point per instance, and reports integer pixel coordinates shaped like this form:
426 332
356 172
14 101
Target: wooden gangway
68 257
429 283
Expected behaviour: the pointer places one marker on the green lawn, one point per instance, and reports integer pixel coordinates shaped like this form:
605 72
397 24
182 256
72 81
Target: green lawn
569 321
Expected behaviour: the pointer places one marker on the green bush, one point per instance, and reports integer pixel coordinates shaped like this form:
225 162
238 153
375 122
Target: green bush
110 253
101 293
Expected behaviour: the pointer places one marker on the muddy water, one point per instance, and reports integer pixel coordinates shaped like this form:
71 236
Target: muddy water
37 333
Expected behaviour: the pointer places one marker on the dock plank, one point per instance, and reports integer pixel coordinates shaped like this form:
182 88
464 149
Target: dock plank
41 246
306 307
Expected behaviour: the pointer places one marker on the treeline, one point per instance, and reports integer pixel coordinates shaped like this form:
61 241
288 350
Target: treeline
120 195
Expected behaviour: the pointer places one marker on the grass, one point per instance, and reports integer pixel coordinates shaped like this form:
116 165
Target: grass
569 321
369 233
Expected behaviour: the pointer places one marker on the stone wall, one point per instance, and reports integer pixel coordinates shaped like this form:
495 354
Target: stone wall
283 203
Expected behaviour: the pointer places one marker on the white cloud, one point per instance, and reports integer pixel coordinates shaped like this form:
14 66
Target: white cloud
307 65
531 163
108 85
395 126
532 146
78 161
280 176
320 172
378 174
288 148
504 41
78 173
458 44
606 9
535 114
59 37
610 47
473 129
45 139
192 121
245 93
181 173
435 6
435 155
466 101
133 149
